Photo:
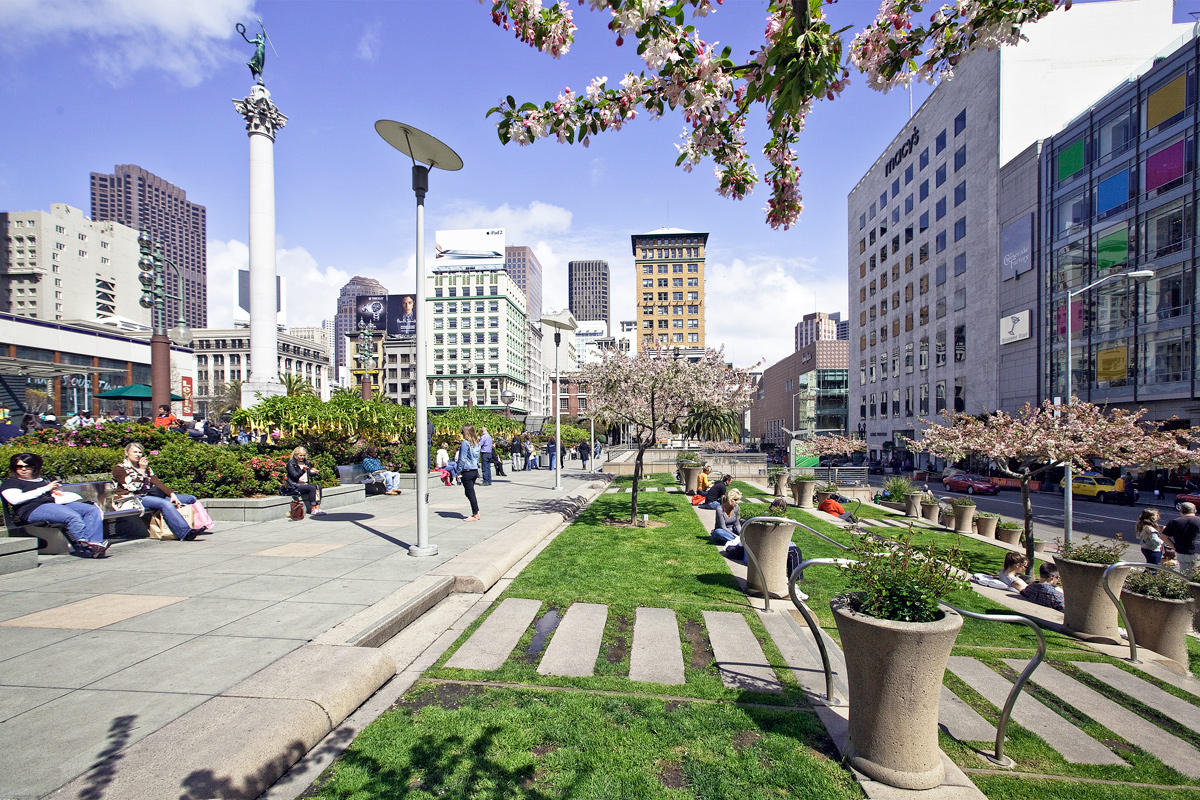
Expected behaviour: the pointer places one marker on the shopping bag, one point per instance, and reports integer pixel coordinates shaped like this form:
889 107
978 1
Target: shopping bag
296 512
200 517
158 525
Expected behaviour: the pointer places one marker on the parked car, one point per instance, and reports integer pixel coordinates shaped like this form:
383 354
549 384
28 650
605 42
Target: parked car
971 484
1194 499
1096 487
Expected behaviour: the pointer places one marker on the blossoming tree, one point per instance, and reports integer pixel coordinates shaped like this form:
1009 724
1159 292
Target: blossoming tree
799 62
1038 438
832 444
651 393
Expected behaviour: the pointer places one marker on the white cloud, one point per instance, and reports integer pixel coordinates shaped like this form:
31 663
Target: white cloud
187 40
224 260
521 224
368 44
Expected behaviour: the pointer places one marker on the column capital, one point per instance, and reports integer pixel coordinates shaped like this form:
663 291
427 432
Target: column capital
261 115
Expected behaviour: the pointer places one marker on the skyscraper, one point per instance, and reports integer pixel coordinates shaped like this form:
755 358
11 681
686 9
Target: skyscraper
347 309
141 200
587 292
524 268
817 327
669 275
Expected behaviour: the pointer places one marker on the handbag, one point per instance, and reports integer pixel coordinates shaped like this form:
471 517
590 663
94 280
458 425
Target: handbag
697 499
158 524
296 512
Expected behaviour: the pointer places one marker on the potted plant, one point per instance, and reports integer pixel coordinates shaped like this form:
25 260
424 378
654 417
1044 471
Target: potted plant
803 487
985 524
1158 608
825 490
964 513
895 493
897 641
1090 613
689 466
777 477
1008 531
930 508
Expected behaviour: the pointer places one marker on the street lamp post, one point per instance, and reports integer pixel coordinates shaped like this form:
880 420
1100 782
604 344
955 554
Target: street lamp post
426 153
1068 477
507 397
562 321
366 357
152 266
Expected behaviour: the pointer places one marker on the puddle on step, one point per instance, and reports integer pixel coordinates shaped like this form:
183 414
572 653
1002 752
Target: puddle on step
541 630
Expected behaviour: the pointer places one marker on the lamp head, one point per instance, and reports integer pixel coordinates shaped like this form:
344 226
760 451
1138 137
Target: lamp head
1140 274
181 334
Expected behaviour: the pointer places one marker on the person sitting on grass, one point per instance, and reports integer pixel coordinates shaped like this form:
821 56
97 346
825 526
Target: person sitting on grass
712 497
832 505
1013 574
729 518
372 464
1045 591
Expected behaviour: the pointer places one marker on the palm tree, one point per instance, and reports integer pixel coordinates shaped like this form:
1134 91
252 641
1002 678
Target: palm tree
296 386
344 393
228 398
706 422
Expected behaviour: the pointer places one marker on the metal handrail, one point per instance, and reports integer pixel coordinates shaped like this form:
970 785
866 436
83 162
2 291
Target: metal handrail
1133 659
998 756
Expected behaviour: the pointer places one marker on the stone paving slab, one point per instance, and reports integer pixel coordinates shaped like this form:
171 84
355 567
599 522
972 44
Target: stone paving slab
204 664
656 655
961 721
576 643
490 644
738 655
1073 744
1174 707
75 662
1170 750
803 658
95 612
16 700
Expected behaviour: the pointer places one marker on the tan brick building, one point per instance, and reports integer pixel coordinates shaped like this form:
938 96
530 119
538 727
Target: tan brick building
669 287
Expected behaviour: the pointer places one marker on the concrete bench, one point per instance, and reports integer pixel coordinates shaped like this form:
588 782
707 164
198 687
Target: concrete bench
52 538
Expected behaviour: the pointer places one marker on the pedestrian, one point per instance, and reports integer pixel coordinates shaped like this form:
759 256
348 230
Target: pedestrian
468 465
551 451
485 456
447 465
585 450
165 418
1181 533
1148 532
516 449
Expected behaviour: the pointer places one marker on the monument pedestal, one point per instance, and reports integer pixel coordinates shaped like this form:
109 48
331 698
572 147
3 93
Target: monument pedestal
252 391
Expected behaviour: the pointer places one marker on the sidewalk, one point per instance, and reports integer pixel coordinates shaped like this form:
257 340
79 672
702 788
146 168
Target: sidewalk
203 669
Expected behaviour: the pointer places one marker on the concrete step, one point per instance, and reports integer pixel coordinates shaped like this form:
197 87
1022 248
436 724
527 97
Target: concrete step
739 657
1073 744
656 655
576 643
491 643
1174 707
1172 751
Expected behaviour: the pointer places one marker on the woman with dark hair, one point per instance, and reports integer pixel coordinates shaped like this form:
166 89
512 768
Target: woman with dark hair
302 479
468 465
35 499
30 423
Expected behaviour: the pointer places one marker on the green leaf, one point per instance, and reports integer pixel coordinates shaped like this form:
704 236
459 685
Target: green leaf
511 101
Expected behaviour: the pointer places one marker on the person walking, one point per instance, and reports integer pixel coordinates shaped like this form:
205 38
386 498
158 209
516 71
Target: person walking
486 447
1148 532
516 448
551 452
585 450
1181 532
468 464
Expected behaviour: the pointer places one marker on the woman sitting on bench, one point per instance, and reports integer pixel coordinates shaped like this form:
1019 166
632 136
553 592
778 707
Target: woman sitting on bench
302 479
137 485
35 499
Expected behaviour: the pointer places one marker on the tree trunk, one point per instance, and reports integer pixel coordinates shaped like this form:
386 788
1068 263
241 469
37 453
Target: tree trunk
637 476
1027 508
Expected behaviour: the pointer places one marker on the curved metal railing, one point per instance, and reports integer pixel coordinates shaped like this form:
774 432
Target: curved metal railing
1124 620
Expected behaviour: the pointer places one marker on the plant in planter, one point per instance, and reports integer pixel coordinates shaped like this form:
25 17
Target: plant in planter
964 513
985 524
1159 608
826 490
777 477
897 641
1081 564
930 507
1008 531
803 487
689 465
897 488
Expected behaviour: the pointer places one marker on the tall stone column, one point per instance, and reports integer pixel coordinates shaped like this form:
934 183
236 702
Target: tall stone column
263 119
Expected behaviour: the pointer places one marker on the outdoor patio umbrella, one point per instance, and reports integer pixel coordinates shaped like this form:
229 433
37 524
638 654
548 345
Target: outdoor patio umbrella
134 391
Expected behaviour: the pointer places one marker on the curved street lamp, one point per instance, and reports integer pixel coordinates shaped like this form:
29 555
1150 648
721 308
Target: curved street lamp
152 270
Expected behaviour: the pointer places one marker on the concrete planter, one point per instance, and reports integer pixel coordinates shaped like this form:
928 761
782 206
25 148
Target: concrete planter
986 526
770 545
260 509
912 504
893 506
1090 613
894 672
1009 535
963 515
1160 625
690 476
779 484
822 496
802 493
930 511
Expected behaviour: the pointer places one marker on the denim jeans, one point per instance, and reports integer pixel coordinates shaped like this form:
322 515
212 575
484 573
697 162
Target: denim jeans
175 521
485 461
711 505
84 521
518 460
1152 556
553 460
720 536
391 480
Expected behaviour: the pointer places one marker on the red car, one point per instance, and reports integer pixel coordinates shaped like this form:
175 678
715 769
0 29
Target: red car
1192 498
971 484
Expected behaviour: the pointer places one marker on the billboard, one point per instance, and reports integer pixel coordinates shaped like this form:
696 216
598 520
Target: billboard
1112 364
1016 247
372 310
470 247
1014 327
401 315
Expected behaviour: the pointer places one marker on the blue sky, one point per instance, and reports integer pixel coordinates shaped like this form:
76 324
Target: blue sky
87 84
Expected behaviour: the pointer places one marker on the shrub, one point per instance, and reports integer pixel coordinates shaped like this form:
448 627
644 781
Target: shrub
112 434
930 501
1094 551
688 459
1009 525
1155 583
60 461
986 515
902 582
828 487
896 488
962 502
796 479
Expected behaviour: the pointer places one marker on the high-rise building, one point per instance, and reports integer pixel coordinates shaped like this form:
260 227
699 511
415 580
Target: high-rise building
805 392
817 326
924 225
344 323
843 325
587 292
141 200
669 287
60 265
525 269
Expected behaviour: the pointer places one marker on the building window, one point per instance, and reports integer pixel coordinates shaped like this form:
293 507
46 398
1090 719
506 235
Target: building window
940 308
923 222
939 209
940 397
960 299
923 355
923 191
923 161
960 343
960 229
939 242
939 176
939 144
960 194
960 122
960 263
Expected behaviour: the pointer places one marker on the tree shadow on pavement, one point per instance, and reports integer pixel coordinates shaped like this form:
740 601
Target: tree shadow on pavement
101 773
204 783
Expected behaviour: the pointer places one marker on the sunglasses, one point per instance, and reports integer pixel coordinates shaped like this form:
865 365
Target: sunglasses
24 466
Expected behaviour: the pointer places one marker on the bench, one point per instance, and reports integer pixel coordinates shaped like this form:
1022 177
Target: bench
52 538
354 473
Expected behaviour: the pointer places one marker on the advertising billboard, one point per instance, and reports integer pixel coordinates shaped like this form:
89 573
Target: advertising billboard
372 310
1014 327
401 315
469 247
1016 247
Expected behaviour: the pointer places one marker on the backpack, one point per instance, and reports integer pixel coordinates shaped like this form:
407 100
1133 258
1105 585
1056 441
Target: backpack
794 559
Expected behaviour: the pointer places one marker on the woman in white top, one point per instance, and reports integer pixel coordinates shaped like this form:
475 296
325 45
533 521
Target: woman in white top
1148 529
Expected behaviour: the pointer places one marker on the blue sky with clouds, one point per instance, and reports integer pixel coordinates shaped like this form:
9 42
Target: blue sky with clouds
87 84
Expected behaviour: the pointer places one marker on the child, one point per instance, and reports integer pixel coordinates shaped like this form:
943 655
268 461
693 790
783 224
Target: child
1045 591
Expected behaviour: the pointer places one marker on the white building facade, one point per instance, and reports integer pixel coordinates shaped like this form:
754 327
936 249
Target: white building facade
223 355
